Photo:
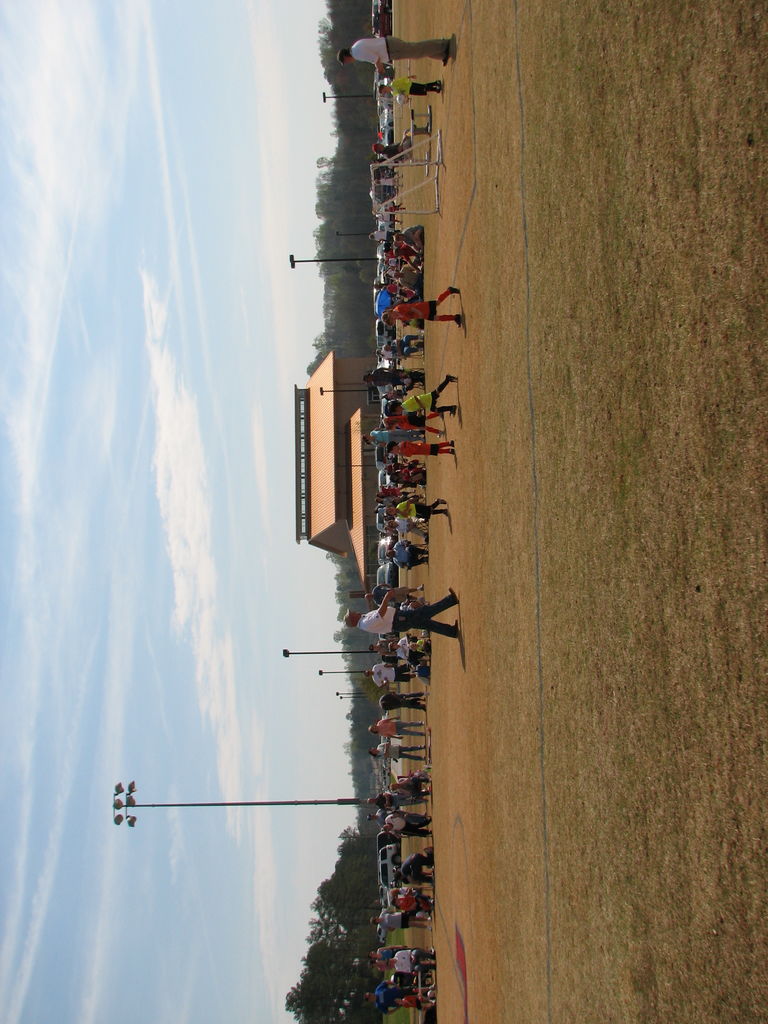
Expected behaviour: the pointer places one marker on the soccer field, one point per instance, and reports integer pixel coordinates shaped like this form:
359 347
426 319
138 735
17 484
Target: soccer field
599 734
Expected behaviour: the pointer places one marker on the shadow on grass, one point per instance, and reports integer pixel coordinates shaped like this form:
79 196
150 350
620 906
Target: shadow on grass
462 647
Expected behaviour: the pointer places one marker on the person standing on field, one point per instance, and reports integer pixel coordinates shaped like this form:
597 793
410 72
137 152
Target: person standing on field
422 310
381 50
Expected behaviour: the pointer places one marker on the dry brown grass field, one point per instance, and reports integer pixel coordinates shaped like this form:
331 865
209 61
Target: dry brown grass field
600 732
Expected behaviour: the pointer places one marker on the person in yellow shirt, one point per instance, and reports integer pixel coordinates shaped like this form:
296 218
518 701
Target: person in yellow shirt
420 510
405 85
418 407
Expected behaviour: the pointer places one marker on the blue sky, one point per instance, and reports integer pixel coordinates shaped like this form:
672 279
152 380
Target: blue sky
158 165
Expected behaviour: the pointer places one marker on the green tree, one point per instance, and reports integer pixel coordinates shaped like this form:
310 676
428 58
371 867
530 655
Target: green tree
335 971
343 184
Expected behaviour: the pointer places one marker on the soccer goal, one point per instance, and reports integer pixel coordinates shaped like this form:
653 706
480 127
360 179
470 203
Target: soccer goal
391 194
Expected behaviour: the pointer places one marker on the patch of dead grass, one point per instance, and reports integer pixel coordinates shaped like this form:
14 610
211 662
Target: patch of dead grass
612 261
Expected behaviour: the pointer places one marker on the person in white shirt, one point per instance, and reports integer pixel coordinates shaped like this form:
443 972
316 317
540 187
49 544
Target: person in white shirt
384 675
391 747
386 620
406 526
406 961
392 921
378 621
381 50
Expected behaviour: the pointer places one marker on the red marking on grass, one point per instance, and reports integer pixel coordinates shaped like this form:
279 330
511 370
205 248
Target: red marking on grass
461 964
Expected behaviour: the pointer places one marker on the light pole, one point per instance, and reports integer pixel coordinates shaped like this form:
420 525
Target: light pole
347 96
342 672
351 696
350 234
345 391
334 259
123 799
290 654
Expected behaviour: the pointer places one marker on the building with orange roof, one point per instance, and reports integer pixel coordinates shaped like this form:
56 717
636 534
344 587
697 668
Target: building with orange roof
336 476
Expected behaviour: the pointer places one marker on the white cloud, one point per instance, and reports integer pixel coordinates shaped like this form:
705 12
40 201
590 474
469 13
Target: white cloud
286 179
267 882
67 96
64 107
26 918
63 118
261 469
183 494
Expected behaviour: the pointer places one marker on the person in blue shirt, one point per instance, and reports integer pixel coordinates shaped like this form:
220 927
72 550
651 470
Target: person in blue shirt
386 995
384 300
408 555
388 436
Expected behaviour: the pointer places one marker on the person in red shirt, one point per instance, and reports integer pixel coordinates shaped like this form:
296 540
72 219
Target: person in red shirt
411 421
422 448
427 310
408 254
395 727
408 898
389 492
413 474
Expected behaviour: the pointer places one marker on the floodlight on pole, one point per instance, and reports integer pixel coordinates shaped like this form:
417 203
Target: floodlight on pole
334 259
291 654
124 800
342 672
347 96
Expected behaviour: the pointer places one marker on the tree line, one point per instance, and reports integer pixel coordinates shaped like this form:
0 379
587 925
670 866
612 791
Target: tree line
343 184
335 971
